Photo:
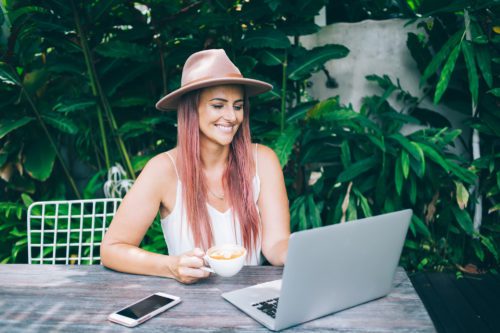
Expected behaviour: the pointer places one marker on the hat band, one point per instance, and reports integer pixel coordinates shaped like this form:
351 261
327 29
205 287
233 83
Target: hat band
204 78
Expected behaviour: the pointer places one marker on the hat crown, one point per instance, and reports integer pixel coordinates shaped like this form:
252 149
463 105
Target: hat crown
208 64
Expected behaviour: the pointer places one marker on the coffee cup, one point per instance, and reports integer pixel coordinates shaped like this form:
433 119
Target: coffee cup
225 260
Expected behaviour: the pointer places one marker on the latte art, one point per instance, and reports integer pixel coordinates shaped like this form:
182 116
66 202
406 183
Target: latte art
226 254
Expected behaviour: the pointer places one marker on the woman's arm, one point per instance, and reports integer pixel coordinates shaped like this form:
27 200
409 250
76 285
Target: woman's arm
120 247
273 206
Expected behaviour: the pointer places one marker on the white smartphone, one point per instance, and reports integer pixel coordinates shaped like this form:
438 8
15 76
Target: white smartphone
140 311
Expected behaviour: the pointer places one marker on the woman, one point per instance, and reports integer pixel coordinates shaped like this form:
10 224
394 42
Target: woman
215 187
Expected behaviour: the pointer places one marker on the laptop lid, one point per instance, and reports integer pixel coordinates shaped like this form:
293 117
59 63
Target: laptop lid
339 266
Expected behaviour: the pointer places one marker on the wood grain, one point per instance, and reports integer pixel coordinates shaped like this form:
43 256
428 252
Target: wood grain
57 298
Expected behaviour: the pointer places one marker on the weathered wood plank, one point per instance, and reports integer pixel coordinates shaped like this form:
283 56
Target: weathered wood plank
79 298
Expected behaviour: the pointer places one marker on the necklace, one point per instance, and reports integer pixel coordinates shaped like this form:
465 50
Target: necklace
220 197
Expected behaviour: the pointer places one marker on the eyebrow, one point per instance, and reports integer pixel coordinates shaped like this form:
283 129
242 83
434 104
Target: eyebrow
224 100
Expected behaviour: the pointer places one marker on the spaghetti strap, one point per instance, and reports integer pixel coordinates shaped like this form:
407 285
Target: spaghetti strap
256 164
173 162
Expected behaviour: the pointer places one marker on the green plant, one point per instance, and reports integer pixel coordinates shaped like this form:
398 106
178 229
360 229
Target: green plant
459 58
79 79
347 165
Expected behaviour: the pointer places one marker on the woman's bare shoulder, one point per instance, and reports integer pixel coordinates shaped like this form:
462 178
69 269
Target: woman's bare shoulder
160 168
266 155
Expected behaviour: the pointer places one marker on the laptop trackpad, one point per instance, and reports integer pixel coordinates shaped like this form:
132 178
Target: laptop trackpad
257 293
245 299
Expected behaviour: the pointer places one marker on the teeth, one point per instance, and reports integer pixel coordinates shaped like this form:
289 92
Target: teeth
224 128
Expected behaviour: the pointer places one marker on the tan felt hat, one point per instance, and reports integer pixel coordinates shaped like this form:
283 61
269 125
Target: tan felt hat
210 68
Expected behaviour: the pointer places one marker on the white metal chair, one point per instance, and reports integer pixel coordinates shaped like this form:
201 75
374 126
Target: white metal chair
68 232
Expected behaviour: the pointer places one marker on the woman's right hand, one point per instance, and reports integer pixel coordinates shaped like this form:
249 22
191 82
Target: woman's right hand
186 267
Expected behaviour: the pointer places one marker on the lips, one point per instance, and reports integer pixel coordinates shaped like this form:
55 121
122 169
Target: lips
225 128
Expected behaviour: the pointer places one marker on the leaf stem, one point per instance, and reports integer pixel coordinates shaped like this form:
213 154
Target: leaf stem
47 133
98 92
283 92
83 41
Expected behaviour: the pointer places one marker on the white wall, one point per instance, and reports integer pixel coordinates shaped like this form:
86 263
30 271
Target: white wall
376 47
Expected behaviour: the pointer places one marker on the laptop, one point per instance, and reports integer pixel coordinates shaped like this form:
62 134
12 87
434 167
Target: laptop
329 269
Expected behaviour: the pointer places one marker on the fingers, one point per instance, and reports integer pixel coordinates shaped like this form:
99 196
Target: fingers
189 264
193 272
198 252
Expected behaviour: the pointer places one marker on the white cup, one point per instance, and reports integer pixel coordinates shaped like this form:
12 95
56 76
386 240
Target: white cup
225 260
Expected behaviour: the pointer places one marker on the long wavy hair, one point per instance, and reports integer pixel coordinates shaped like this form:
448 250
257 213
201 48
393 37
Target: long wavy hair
236 180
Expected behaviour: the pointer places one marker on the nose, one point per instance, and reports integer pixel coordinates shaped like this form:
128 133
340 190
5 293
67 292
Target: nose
229 114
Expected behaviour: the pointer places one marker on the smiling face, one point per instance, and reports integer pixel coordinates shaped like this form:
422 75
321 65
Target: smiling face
220 113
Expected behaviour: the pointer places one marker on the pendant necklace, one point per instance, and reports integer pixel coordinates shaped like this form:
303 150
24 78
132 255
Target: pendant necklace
220 197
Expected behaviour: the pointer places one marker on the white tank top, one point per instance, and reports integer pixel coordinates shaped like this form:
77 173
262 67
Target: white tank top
179 238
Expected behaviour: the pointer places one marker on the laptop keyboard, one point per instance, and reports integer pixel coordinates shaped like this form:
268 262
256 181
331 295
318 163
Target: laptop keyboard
268 307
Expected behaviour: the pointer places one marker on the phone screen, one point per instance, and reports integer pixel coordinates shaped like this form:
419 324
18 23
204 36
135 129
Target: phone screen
145 306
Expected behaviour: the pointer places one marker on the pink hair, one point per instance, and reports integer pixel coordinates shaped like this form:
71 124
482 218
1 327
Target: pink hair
237 178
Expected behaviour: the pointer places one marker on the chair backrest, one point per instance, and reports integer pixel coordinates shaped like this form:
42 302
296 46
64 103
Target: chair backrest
68 232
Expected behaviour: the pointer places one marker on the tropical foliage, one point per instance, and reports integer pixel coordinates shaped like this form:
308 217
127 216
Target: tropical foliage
79 80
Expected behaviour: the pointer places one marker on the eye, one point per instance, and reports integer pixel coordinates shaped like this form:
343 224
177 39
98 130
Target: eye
217 106
238 107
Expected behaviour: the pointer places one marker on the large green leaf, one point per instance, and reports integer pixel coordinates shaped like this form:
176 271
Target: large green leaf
140 161
419 51
413 189
441 56
270 58
70 105
434 155
8 125
329 110
463 219
357 168
477 34
213 20
131 74
462 173
445 77
131 101
490 245
313 212
405 164
63 124
430 117
284 144
17 13
314 60
128 50
3 158
483 58
299 28
345 154
468 51
414 150
398 175
299 112
99 8
495 92
363 201
6 75
39 159
420 226
267 37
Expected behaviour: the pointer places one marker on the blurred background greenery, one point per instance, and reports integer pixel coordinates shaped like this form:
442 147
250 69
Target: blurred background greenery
79 79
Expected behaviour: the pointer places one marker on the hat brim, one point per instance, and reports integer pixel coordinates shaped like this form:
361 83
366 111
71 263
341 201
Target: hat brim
252 88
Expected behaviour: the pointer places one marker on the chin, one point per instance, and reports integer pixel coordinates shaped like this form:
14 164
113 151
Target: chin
225 142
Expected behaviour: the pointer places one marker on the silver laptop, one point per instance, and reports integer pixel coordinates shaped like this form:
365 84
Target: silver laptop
329 269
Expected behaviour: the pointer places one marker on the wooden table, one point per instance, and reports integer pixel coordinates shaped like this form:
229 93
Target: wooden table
36 298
